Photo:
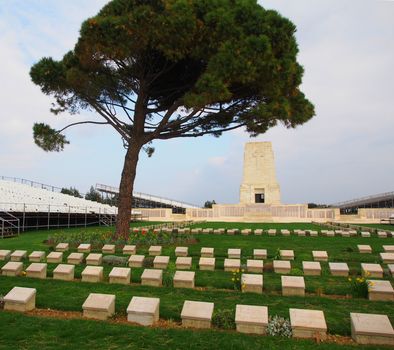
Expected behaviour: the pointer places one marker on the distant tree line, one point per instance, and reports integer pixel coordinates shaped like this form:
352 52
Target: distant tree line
314 206
208 204
91 195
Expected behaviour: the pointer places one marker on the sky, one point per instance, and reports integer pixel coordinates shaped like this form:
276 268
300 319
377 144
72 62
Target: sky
346 151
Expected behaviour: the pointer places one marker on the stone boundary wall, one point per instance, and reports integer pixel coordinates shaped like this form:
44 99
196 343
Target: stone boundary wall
246 213
375 213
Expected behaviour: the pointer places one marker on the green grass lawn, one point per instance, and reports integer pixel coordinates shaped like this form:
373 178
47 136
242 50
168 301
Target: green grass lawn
32 333
213 286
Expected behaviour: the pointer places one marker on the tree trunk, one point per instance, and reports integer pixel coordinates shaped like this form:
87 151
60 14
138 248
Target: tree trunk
126 191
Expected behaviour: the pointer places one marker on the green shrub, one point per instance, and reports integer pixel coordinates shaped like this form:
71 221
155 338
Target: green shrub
148 262
168 275
115 260
296 272
224 319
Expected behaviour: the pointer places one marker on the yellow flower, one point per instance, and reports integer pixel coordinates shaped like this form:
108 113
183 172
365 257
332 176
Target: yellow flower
349 279
237 270
233 279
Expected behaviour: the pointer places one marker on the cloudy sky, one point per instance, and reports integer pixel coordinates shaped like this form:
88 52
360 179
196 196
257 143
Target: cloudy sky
346 151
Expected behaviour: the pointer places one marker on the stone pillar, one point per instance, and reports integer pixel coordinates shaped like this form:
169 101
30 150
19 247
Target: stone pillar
259 184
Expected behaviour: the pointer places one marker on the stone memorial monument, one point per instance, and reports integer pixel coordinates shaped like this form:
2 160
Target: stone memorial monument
259 184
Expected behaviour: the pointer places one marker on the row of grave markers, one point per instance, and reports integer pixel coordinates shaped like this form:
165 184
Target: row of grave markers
291 285
270 232
319 255
365 328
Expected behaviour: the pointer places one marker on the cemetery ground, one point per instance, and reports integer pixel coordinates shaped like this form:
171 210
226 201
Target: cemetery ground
58 321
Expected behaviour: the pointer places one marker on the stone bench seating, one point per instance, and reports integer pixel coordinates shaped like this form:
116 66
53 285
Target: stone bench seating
84 248
181 251
20 299
75 258
339 269
18 255
282 266
99 306
232 264
94 259
260 254
184 279
251 319
371 329
108 249
183 263
380 290
37 256
234 253
161 262
152 277
287 254
388 248
120 275
364 248
197 314
308 323
136 260
5 254
37 270
143 311
252 283
207 264
387 258
12 268
55 257
311 268
129 250
255 266
64 272
207 252
155 250
62 247
372 270
92 274
320 255
293 285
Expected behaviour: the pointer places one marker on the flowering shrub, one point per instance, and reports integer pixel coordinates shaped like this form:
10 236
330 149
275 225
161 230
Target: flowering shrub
236 279
359 286
279 326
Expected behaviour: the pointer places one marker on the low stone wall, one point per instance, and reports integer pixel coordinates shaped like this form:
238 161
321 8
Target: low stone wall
246 213
266 213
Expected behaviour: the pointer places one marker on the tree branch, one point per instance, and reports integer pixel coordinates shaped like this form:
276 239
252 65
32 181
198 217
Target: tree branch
78 123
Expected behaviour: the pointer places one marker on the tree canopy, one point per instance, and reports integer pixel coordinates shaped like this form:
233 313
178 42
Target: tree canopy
72 191
161 69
